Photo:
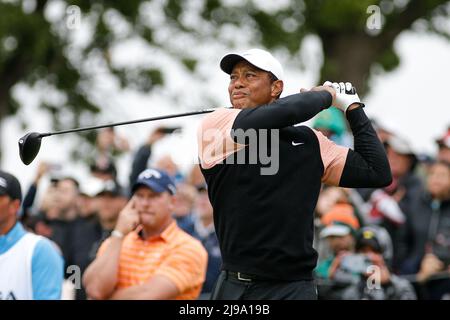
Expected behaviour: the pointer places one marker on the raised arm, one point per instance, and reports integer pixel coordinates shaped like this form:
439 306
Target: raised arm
214 135
367 166
285 111
100 278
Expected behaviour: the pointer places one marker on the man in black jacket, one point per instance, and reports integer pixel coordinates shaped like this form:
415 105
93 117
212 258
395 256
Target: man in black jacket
430 220
264 215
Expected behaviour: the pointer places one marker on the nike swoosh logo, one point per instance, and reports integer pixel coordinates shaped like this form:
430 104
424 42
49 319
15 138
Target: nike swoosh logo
297 143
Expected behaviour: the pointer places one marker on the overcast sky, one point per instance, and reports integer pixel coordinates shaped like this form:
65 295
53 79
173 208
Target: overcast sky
412 101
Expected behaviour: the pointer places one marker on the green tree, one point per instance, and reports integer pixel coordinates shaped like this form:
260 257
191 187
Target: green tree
351 43
39 49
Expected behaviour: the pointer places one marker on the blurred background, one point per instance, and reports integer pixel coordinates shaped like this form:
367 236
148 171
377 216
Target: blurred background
77 63
65 64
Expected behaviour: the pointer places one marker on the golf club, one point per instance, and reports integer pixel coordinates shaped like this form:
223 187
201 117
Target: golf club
30 143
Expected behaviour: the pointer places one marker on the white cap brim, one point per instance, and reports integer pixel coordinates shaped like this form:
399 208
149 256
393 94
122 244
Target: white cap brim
92 187
257 57
335 230
400 145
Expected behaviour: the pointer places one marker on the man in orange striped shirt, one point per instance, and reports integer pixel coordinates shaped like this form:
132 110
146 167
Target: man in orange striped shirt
147 255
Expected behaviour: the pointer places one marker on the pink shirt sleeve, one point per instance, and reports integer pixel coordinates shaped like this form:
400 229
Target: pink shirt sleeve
214 137
333 158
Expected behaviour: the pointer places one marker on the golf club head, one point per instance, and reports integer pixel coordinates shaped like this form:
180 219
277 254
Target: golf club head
29 146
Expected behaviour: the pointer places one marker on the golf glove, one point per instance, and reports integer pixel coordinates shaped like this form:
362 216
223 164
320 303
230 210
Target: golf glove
345 95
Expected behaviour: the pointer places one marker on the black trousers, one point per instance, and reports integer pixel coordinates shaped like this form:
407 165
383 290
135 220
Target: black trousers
230 288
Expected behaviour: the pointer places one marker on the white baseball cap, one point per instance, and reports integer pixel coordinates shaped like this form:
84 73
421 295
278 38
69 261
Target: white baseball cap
91 187
335 230
400 145
259 58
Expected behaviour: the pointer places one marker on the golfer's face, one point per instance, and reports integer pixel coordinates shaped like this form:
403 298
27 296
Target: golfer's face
249 86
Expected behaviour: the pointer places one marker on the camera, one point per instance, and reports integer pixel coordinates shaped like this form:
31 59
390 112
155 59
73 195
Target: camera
355 263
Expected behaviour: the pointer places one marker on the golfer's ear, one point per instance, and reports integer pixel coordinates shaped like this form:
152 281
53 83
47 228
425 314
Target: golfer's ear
277 88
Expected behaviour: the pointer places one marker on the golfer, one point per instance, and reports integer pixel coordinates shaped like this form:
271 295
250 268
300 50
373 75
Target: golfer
264 222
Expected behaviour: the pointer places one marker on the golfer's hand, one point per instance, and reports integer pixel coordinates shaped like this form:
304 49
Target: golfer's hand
331 90
128 218
346 95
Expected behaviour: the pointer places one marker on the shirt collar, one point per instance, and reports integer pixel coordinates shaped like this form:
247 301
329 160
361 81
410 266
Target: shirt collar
167 235
170 232
11 238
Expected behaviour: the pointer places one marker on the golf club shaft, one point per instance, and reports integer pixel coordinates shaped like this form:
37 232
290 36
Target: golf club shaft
129 122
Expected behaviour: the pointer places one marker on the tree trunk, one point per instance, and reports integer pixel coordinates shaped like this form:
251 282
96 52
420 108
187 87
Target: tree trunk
349 58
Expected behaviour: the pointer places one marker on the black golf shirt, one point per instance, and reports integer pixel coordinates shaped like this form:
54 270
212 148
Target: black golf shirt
264 223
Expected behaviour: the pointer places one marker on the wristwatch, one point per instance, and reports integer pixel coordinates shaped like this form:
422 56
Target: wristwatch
117 234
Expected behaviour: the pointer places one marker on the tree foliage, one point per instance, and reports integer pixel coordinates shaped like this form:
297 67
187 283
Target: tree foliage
38 48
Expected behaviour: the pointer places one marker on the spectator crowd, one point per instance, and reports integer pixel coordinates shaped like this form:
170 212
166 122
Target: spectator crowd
154 238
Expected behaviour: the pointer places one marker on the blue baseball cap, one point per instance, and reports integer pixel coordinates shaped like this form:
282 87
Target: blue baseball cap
157 180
